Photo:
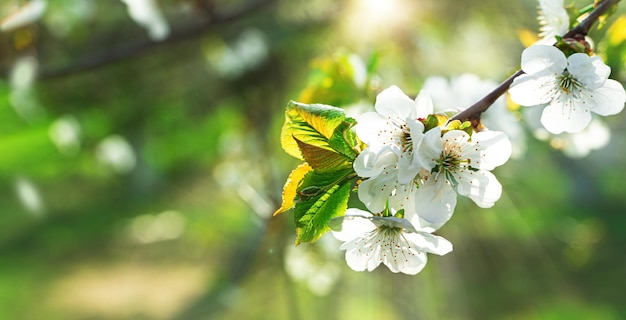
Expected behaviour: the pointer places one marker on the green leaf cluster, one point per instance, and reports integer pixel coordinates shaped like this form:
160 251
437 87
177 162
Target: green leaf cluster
319 189
458 125
441 120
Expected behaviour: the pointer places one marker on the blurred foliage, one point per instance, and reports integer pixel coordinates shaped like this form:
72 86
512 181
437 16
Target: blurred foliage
139 176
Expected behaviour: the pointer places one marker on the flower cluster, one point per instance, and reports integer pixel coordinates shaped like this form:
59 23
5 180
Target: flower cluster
409 161
414 168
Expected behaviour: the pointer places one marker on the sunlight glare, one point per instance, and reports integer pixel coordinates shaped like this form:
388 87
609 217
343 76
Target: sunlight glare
369 19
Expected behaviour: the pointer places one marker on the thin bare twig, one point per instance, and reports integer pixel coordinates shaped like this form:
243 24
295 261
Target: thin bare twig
113 54
473 112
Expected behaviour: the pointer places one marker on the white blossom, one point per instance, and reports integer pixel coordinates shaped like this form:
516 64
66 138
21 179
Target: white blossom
396 127
147 14
453 162
391 134
370 241
569 88
553 20
458 93
28 13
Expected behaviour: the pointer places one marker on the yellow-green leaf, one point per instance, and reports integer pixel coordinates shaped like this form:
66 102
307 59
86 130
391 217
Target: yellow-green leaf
321 158
291 185
313 124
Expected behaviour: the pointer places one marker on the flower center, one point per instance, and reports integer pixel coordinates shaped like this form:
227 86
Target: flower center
451 161
398 134
389 230
405 138
567 83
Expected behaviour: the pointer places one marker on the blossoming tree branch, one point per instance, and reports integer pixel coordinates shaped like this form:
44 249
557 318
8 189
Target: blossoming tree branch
408 161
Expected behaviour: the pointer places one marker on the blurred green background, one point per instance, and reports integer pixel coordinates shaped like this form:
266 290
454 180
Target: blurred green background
140 165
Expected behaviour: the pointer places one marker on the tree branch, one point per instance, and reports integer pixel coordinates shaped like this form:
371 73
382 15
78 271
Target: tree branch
473 112
113 54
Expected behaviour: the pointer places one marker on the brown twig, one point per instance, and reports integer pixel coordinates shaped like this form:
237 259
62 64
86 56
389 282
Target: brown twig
113 54
473 112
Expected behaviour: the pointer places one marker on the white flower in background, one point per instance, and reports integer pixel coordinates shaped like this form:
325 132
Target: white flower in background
391 134
116 153
370 241
23 96
30 12
147 14
29 196
458 93
454 162
316 266
65 134
595 136
575 145
246 53
553 20
569 88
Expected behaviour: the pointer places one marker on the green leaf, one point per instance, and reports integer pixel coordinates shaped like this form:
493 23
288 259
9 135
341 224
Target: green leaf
433 121
467 127
372 63
313 124
344 140
330 199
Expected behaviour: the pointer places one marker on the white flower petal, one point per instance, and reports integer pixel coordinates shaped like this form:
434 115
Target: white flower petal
496 148
375 255
357 259
434 204
482 187
609 99
424 104
529 90
368 127
426 242
570 117
401 258
374 192
430 148
539 59
590 71
403 197
455 137
392 102
354 223
370 163
408 167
